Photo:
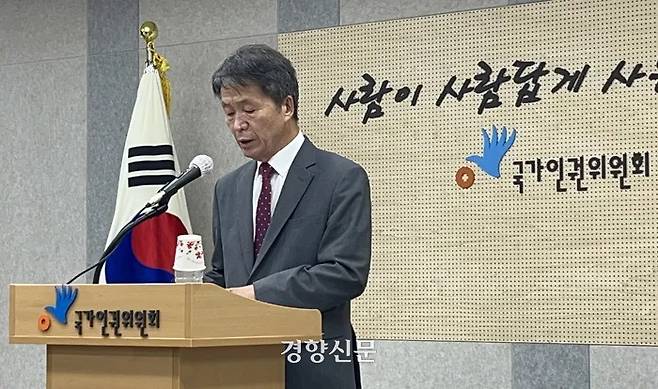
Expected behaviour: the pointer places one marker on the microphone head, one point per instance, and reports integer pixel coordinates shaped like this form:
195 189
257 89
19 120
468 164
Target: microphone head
203 162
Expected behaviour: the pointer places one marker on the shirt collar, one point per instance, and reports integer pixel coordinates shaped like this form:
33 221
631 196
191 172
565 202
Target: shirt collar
282 160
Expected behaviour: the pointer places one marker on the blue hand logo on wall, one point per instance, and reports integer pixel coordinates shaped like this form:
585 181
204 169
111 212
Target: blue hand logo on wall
65 296
494 149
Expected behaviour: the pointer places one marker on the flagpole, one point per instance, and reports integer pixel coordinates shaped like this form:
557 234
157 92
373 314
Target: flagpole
149 31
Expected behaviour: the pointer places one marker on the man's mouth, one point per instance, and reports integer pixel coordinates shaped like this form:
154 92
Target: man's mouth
245 142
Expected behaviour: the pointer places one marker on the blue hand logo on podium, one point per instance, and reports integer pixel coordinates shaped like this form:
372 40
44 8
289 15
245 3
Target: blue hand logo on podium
65 296
494 149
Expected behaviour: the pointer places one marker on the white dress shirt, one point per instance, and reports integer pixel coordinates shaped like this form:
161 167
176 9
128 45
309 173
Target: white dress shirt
281 162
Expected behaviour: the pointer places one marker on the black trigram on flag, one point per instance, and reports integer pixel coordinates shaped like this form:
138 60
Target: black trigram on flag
150 165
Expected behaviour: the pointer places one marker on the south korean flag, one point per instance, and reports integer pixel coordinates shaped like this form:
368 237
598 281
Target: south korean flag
146 254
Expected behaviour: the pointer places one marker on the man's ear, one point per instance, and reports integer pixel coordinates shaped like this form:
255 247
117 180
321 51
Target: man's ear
288 107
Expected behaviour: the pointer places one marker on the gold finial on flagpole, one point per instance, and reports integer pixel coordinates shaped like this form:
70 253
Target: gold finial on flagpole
149 31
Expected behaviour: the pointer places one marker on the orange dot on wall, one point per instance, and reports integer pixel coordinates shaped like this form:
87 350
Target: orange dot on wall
465 177
44 322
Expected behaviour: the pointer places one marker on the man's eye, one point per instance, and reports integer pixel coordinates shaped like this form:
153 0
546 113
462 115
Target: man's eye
249 110
230 114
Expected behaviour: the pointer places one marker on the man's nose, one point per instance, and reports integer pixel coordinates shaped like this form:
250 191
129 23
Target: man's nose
239 123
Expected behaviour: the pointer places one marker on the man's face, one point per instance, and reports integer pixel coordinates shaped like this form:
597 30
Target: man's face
259 125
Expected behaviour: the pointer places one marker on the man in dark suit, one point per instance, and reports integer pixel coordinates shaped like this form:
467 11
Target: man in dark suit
293 226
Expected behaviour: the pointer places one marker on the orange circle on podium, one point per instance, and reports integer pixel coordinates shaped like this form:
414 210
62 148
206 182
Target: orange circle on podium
465 177
44 322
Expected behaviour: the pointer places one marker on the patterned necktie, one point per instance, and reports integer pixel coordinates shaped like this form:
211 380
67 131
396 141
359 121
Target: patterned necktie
263 216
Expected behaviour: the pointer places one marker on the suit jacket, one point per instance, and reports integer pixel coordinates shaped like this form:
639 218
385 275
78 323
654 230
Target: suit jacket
315 254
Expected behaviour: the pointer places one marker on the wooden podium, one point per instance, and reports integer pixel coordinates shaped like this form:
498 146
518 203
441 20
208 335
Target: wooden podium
173 336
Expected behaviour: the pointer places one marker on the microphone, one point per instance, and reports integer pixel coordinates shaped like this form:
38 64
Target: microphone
200 166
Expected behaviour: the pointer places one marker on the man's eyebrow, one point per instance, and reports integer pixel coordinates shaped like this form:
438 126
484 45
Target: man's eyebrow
239 100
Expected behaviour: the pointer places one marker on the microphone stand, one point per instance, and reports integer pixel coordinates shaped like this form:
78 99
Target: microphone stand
151 211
